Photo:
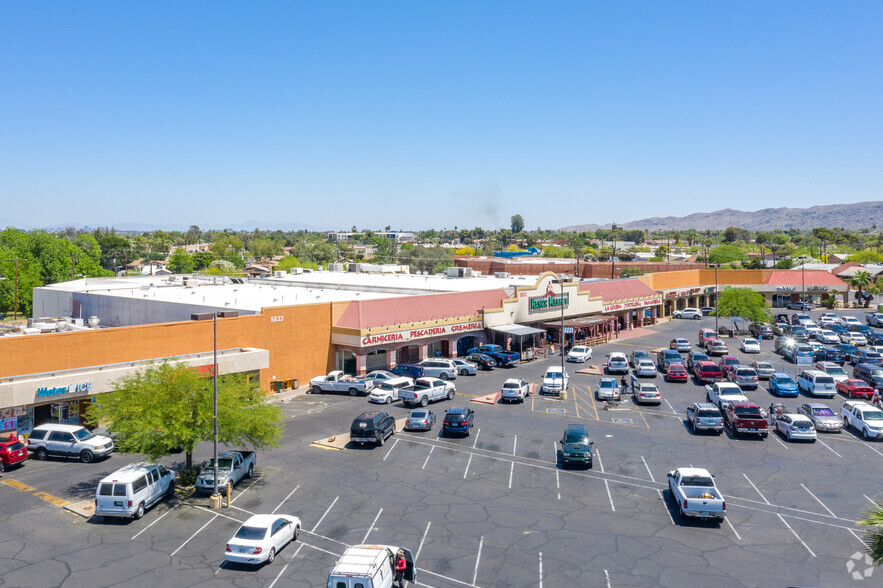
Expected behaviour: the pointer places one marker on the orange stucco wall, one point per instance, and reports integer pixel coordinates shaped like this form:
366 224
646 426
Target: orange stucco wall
688 278
298 338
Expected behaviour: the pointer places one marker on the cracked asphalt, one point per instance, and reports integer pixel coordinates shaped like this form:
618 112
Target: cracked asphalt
491 509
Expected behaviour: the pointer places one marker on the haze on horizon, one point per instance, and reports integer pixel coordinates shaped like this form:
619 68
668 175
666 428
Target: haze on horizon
420 115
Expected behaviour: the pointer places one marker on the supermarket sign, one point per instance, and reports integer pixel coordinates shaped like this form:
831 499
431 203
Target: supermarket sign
422 333
615 306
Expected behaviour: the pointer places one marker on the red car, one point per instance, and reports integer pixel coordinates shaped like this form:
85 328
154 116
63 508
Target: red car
676 372
855 389
707 372
727 363
12 451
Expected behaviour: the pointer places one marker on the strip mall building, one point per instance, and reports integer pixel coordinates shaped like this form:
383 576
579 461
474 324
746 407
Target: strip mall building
284 330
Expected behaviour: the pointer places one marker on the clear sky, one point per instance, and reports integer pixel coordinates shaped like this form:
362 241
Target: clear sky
420 114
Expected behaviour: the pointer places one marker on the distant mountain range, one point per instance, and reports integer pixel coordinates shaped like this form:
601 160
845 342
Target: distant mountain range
861 215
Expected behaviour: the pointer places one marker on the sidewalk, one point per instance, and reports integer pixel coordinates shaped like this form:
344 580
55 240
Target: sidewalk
633 334
288 395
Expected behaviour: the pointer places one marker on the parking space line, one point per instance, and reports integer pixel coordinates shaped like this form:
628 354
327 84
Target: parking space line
755 488
217 514
285 567
558 484
333 502
328 552
854 534
396 442
775 436
869 500
670 407
427 457
796 535
541 569
652 479
665 506
284 499
477 433
176 505
244 490
31 470
735 532
511 471
829 448
600 463
609 495
371 528
243 510
819 501
468 463
477 560
607 576
514 445
422 540
194 535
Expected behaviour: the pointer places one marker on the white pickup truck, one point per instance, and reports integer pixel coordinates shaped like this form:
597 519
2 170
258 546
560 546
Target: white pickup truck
426 390
696 494
337 381
721 392
863 417
232 467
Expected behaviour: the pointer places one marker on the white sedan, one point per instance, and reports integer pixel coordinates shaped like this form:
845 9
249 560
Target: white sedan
853 337
796 426
580 353
827 337
750 346
261 537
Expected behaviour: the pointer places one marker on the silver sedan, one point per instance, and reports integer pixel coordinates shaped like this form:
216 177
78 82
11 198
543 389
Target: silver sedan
420 419
465 368
823 418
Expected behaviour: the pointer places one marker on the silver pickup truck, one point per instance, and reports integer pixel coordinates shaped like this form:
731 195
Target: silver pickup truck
426 390
337 381
696 494
232 467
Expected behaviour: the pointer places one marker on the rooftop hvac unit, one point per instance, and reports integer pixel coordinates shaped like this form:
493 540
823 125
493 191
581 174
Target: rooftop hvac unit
501 274
278 274
337 267
458 272
296 271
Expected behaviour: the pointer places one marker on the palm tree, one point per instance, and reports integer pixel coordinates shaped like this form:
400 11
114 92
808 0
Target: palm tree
860 281
874 537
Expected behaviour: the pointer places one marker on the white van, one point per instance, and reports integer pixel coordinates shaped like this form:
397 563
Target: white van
130 490
370 566
817 383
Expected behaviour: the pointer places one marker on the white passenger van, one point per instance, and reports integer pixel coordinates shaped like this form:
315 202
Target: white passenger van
817 383
130 490
370 566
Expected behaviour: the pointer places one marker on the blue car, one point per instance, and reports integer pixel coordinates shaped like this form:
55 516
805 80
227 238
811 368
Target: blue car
783 385
834 355
408 370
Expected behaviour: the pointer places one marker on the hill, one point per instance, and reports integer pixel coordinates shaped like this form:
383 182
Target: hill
860 215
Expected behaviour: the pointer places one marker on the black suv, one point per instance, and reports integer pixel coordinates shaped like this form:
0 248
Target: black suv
458 420
576 446
372 427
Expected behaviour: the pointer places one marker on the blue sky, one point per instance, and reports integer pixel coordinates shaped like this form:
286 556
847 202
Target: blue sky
434 114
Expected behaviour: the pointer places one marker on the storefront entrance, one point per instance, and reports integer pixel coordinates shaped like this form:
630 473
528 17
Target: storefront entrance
408 354
376 360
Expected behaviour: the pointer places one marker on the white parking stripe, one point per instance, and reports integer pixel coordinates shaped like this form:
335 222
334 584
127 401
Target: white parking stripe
427 457
371 528
468 463
420 547
244 490
609 495
607 576
829 448
665 506
194 535
541 569
514 445
670 407
796 535
819 501
558 484
600 463
285 567
390 449
477 559
164 514
775 436
726 520
652 479
511 471
755 488
333 502
869 500
477 433
284 499
208 510
854 534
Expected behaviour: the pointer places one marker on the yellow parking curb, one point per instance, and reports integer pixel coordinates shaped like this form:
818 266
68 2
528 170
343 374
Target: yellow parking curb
18 485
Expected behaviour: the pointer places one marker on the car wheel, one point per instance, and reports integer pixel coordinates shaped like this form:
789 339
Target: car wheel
388 400
316 390
865 435
464 372
443 375
170 491
492 362
272 555
353 391
696 318
40 454
87 456
139 512
450 394
250 471
380 440
296 533
424 401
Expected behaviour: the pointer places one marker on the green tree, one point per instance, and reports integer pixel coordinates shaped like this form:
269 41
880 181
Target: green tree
725 254
180 262
874 536
264 248
630 271
517 223
860 281
745 303
384 249
170 406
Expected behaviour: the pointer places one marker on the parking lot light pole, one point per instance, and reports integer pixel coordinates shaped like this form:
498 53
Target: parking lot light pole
716 304
216 497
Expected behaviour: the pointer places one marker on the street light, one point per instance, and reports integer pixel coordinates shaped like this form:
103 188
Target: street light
216 497
561 304
716 303
803 285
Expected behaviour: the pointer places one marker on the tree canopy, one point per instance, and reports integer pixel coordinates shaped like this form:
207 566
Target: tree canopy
170 406
743 302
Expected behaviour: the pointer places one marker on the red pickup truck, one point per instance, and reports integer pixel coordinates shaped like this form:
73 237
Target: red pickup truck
12 451
745 417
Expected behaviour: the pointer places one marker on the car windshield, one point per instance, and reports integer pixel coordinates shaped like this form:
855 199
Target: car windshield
82 434
553 375
455 418
576 439
747 411
418 414
14 446
745 373
514 385
873 415
762 365
823 412
784 380
848 348
711 370
733 361
578 350
824 380
253 533
697 481
835 371
224 463
699 357
876 373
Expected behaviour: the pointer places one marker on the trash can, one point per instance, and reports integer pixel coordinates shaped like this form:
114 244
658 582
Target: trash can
731 333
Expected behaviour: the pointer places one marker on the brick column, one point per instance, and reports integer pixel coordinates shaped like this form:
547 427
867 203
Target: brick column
361 364
424 352
452 347
390 358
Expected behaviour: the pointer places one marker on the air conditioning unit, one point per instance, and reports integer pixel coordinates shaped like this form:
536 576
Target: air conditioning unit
336 267
278 274
501 274
296 271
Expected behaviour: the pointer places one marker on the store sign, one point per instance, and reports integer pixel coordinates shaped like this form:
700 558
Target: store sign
79 388
817 288
412 334
631 305
786 288
548 301
8 424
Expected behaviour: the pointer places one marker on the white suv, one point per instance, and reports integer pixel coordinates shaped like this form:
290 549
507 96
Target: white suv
388 391
515 389
688 313
68 441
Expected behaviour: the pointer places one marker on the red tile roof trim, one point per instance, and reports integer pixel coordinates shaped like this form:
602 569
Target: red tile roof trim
387 312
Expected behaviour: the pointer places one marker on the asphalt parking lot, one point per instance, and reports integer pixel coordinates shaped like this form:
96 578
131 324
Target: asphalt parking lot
491 509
